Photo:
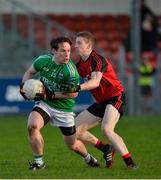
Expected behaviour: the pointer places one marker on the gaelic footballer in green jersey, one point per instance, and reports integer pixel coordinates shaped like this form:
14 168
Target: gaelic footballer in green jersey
58 73
57 78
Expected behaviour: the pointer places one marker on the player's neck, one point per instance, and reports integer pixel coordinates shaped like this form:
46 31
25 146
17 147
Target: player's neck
57 61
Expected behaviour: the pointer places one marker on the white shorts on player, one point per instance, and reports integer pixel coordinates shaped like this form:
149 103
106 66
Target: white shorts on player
57 118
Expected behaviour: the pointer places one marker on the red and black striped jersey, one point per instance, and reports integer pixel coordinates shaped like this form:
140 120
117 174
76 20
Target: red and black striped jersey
109 86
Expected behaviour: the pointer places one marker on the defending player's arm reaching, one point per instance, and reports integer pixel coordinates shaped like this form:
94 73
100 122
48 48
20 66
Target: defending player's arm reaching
93 82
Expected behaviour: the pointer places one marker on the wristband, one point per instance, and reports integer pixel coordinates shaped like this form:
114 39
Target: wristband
78 88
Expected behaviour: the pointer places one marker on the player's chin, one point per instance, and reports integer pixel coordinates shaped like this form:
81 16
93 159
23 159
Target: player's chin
66 61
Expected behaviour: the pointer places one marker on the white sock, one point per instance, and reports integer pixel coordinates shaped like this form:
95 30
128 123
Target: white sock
39 160
87 158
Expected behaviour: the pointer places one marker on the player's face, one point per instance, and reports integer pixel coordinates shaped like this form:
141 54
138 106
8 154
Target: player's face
82 46
62 55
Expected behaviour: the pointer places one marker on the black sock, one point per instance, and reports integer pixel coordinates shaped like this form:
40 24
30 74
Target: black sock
129 161
101 146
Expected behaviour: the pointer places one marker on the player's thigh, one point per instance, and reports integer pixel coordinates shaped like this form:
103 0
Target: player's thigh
70 140
35 120
111 117
86 120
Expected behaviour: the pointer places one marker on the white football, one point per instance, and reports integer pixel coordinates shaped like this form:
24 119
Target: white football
31 87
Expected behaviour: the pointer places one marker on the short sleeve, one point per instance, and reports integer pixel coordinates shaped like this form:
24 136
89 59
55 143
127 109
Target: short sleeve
40 62
99 63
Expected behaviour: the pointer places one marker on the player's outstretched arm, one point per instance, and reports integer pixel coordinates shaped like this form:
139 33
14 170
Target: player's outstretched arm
92 83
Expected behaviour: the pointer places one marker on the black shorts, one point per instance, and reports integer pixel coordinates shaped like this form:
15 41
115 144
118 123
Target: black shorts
98 109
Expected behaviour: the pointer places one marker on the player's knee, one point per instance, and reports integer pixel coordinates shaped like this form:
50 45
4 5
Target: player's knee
72 147
79 133
32 129
108 132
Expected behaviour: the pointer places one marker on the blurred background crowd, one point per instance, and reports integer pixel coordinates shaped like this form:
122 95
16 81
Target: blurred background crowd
128 32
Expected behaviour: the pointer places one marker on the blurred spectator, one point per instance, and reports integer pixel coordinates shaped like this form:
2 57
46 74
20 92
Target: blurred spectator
159 27
127 42
149 29
147 70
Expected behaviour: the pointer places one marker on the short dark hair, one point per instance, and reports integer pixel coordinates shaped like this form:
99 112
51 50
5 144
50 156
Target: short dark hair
88 36
54 43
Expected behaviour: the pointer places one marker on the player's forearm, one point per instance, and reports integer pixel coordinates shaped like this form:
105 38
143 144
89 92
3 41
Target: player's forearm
60 95
28 74
26 77
90 84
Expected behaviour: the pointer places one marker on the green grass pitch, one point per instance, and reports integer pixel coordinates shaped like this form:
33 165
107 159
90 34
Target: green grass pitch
141 134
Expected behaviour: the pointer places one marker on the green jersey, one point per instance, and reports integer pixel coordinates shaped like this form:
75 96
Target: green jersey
57 78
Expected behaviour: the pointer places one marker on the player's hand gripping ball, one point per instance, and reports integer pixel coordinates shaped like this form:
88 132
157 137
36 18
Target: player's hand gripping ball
33 89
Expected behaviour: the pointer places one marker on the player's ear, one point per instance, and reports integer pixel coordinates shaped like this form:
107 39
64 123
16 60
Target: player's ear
53 50
89 45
